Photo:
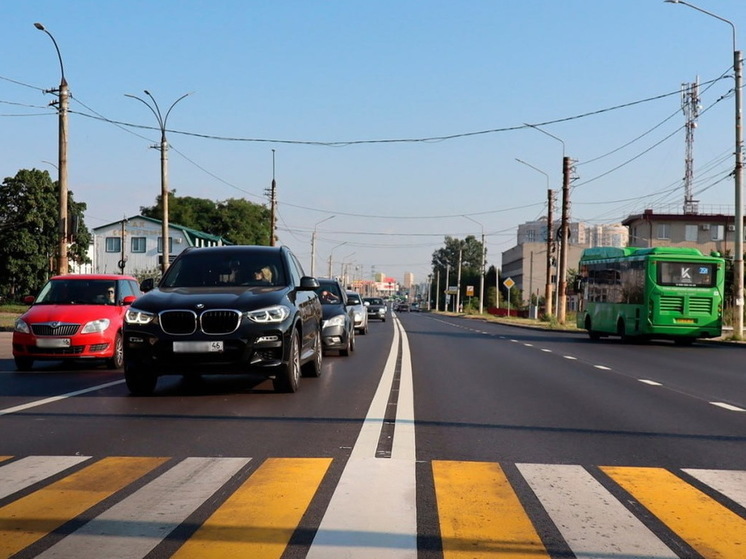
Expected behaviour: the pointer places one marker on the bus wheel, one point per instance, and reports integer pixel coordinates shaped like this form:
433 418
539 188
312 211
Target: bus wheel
620 330
591 333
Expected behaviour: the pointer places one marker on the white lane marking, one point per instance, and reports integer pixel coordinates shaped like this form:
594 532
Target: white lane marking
650 382
45 401
591 520
546 350
386 526
32 469
529 345
570 357
731 483
133 527
602 367
728 407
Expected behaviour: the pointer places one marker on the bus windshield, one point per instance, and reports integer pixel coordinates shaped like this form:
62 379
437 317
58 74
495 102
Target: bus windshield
686 274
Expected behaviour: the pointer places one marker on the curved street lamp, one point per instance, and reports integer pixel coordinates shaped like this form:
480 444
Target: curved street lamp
163 147
63 97
550 242
481 270
737 174
313 244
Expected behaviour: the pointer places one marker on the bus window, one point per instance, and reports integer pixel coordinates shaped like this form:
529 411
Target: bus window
686 274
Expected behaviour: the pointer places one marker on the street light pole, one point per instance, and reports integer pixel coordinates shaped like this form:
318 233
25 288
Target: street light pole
481 270
550 243
163 147
313 244
331 261
737 173
63 98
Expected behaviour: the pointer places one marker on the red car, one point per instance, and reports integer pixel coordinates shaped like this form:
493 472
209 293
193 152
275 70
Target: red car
75 316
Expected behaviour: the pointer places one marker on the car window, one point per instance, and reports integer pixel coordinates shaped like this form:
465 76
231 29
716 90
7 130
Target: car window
353 299
78 292
211 269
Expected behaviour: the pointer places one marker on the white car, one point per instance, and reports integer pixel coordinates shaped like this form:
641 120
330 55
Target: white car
359 310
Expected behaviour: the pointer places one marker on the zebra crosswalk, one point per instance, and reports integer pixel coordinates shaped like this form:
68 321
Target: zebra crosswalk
126 507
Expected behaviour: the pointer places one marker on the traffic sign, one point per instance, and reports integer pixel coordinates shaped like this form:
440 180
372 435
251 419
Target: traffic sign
509 283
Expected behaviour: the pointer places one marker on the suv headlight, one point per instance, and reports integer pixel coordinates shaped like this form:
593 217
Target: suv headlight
96 326
277 313
22 327
338 320
136 316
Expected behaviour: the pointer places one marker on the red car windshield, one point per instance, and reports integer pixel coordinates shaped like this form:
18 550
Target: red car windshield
78 292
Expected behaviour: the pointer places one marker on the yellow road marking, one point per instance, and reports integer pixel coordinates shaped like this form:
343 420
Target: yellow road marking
706 525
34 516
259 519
480 514
4 458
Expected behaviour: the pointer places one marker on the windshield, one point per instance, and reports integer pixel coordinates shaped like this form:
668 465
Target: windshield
78 292
374 301
686 274
353 299
214 269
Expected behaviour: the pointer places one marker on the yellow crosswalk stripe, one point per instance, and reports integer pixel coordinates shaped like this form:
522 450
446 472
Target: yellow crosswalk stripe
480 514
32 517
706 525
259 519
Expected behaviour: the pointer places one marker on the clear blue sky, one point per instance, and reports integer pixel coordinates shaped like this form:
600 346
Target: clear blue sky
289 76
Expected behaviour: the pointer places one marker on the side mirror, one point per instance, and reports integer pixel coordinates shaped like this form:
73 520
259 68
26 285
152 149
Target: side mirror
308 283
366 303
147 284
128 300
29 299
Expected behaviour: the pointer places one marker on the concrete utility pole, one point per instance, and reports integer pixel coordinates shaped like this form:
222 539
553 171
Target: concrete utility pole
565 238
458 282
63 97
272 204
550 251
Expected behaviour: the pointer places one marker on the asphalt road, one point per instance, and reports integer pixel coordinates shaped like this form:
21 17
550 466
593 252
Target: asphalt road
438 437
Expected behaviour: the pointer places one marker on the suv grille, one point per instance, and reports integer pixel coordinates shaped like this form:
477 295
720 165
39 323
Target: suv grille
213 322
57 330
220 321
178 323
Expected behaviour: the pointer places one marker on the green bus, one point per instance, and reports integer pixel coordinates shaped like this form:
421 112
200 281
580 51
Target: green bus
673 293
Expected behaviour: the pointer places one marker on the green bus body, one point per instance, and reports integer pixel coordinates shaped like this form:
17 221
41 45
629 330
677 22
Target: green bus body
645 293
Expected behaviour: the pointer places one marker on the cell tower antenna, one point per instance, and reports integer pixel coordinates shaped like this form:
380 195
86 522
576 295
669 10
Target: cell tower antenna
690 107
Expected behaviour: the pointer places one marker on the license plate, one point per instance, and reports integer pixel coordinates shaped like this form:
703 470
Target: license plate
53 342
198 347
683 320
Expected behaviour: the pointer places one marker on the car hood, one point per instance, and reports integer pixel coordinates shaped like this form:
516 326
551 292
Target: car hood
72 313
194 298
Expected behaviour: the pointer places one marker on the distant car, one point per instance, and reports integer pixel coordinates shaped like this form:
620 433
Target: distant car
75 316
359 311
376 308
226 309
414 307
338 326
403 306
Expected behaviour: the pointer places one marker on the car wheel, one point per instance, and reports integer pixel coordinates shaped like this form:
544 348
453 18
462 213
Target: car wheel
313 367
352 340
117 360
288 375
24 363
348 347
141 380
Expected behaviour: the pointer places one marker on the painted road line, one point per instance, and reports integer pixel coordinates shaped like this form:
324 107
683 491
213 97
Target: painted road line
728 407
37 403
27 520
33 469
650 382
133 527
593 523
259 518
546 350
373 513
731 483
570 357
480 514
602 367
706 525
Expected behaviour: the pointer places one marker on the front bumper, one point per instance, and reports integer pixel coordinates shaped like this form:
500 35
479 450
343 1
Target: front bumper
334 337
96 345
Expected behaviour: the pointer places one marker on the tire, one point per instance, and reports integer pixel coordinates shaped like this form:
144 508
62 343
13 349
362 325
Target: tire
313 367
141 380
352 340
24 363
595 336
116 361
348 348
288 376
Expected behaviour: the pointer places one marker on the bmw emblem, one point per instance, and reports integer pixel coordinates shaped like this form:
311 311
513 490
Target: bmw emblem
199 306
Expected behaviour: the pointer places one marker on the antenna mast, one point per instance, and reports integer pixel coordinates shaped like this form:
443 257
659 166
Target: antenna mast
690 107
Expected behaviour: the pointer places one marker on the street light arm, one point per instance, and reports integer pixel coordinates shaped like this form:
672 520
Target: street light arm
548 134
732 25
535 169
168 112
40 27
152 110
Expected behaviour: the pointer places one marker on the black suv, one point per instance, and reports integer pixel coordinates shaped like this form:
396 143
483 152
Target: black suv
228 309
